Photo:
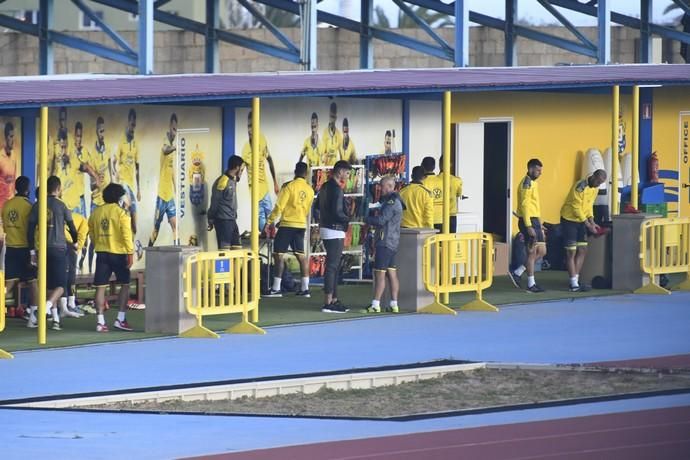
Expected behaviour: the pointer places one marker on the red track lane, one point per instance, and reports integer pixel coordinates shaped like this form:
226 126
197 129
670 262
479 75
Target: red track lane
661 362
658 434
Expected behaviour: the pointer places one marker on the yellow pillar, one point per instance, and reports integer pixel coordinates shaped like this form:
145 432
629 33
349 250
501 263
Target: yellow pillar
256 107
636 146
615 166
42 225
446 182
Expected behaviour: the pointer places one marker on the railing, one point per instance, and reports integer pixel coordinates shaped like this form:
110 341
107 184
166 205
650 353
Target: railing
664 249
222 282
458 262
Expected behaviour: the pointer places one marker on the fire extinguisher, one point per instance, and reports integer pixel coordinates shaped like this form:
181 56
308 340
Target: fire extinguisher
653 168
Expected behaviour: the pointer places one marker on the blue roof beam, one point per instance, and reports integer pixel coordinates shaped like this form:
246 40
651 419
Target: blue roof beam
269 25
423 25
117 38
567 24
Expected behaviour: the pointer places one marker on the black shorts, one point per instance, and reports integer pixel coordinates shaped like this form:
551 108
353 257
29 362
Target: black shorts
574 234
108 263
56 272
18 264
289 237
453 225
227 234
536 225
384 259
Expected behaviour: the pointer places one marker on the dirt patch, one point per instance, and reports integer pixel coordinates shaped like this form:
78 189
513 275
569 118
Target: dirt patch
455 391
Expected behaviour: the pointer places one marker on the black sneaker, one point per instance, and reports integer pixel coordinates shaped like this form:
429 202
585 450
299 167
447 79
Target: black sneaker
306 294
585 288
335 307
576 288
272 293
534 289
515 279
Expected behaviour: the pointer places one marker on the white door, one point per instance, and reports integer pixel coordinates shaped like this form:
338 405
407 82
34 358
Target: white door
469 160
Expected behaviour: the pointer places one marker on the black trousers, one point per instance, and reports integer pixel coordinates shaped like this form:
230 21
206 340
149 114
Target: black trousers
453 225
334 252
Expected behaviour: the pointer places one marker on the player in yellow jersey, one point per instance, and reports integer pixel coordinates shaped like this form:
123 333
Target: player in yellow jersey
349 152
419 204
111 229
8 166
313 148
435 184
18 267
332 139
165 200
68 169
265 203
126 166
577 217
530 225
293 207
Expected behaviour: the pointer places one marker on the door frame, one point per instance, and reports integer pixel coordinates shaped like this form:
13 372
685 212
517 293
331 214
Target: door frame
511 142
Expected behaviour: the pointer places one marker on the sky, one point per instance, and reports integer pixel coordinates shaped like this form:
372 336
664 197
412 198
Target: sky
528 10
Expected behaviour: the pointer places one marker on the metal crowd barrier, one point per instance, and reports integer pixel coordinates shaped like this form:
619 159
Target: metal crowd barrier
3 315
664 249
219 283
458 262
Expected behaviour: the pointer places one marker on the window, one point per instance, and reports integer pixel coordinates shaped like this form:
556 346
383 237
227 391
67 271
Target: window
85 22
30 16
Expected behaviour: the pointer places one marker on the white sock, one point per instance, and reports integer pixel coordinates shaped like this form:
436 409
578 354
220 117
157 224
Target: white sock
121 316
56 316
577 278
71 301
101 319
32 313
376 303
49 307
394 303
573 281
305 284
276 283
63 303
520 270
530 281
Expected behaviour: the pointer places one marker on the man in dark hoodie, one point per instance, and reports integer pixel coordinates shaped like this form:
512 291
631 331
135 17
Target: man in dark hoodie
387 224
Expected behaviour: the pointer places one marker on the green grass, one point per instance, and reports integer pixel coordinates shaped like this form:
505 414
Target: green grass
287 310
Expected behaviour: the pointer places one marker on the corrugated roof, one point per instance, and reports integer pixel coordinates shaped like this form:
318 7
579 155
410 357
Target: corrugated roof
29 92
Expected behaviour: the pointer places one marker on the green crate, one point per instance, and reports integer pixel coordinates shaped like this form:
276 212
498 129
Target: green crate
661 209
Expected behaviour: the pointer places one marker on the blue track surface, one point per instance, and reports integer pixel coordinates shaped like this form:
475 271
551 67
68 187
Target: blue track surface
585 330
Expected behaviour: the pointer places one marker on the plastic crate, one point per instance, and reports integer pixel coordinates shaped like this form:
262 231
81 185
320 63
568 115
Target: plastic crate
660 209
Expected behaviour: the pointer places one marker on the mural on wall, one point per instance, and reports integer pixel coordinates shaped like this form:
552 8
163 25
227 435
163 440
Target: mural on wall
10 157
165 173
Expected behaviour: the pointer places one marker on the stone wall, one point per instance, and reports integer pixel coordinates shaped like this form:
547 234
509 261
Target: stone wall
183 52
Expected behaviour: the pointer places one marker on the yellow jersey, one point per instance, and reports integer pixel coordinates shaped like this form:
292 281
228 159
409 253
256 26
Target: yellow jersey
312 154
263 155
99 161
333 147
127 161
111 229
294 203
71 180
435 184
419 207
349 153
528 201
83 155
166 179
579 205
15 221
82 226
8 174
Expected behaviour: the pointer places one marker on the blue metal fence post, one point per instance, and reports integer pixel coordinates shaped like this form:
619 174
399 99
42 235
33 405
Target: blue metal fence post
29 148
406 127
509 49
604 31
645 34
45 44
366 50
211 62
462 33
145 37
228 135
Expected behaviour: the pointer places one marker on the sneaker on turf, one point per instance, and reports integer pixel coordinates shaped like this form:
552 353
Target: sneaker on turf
585 288
392 309
515 279
371 309
575 288
89 308
272 293
305 294
70 313
32 323
122 325
534 289
56 326
101 328
335 307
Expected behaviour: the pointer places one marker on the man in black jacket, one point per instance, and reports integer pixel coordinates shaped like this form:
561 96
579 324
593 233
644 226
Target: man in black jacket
333 222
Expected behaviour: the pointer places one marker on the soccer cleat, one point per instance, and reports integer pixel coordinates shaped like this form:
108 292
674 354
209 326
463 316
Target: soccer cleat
133 305
534 289
122 325
335 307
101 328
70 313
32 323
89 308
392 309
305 294
272 293
371 309
575 288
56 326
515 279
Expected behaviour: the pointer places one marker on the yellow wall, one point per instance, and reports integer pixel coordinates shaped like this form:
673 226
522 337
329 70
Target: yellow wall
668 103
556 128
